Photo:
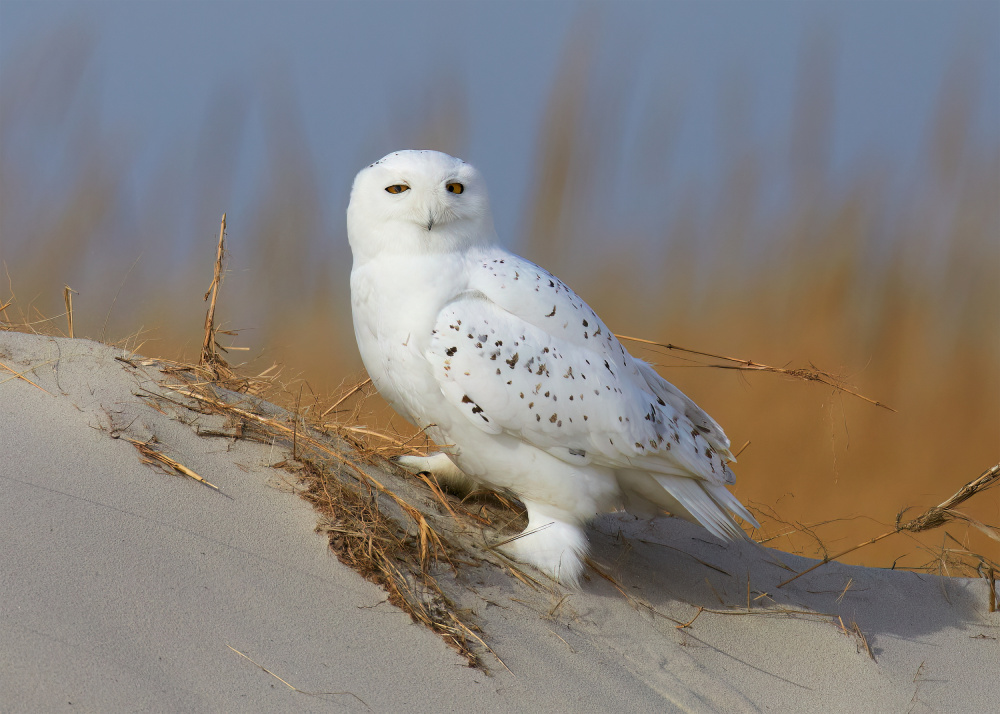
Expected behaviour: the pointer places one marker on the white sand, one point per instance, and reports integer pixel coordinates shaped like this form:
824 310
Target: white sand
122 588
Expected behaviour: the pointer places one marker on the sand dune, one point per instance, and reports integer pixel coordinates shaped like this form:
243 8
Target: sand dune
125 588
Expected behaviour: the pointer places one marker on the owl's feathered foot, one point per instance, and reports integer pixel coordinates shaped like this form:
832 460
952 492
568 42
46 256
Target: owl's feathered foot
555 547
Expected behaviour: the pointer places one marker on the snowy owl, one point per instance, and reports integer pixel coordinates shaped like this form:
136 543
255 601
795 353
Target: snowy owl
522 384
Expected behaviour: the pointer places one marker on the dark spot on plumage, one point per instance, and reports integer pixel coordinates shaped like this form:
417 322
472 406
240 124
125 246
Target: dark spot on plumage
586 336
451 351
694 433
498 370
466 399
708 453
498 343
551 284
545 350
552 419
661 402
585 417
538 417
476 409
559 423
541 368
569 374
553 312
494 355
530 405
597 331
571 397
483 338
577 452
668 446
702 429
512 361
639 445
469 336
608 366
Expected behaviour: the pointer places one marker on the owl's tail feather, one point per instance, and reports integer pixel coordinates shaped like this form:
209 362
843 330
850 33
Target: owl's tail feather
711 505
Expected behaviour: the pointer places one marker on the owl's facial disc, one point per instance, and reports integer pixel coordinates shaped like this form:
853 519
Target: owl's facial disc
444 198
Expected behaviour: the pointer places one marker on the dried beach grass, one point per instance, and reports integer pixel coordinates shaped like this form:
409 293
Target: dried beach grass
934 517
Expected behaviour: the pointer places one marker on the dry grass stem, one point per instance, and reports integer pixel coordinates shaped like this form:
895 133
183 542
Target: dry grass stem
355 389
809 375
296 689
18 375
150 455
932 518
685 625
68 299
209 354
478 639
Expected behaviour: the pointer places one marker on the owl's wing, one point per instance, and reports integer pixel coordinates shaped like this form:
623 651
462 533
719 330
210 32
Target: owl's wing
541 299
556 377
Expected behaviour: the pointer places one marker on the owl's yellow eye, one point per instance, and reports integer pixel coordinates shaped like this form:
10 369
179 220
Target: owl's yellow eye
398 188
455 187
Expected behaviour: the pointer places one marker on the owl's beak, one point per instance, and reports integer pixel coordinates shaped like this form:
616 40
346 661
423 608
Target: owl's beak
430 221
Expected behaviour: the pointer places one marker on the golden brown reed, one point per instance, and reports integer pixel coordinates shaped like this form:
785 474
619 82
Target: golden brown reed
895 297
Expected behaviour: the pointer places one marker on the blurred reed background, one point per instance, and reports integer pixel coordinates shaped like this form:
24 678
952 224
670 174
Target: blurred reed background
892 288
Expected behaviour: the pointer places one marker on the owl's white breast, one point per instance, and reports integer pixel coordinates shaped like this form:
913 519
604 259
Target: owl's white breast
395 301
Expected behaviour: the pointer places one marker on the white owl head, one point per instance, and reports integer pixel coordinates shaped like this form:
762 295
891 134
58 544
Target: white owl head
418 202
